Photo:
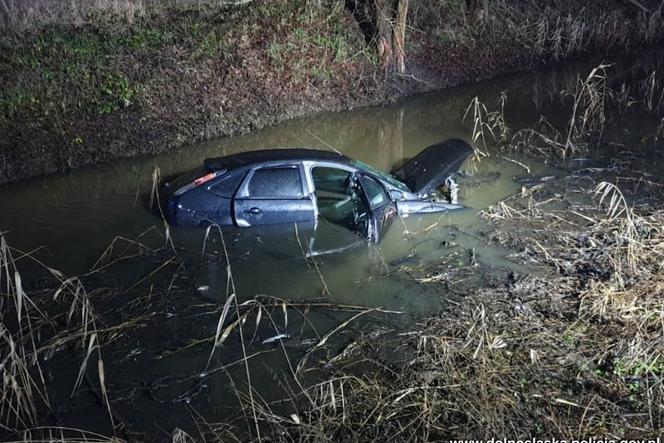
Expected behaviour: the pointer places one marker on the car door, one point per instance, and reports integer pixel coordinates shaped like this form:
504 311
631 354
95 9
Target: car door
381 207
341 212
273 194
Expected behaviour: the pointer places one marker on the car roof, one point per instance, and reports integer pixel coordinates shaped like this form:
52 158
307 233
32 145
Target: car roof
236 161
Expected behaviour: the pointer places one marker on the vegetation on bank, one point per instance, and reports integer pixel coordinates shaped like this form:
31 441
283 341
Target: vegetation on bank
92 81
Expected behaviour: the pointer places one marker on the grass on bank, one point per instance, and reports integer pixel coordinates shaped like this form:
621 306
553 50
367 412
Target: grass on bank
85 82
32 15
63 80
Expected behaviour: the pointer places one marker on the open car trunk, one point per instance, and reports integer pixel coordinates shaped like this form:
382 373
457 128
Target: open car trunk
430 168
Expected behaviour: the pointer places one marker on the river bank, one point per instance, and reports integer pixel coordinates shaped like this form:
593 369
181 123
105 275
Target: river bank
572 352
118 84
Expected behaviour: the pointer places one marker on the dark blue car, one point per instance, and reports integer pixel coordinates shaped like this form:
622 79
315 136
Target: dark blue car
304 185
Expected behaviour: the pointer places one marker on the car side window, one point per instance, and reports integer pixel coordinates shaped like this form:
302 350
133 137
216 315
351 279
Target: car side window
228 184
279 182
330 180
374 191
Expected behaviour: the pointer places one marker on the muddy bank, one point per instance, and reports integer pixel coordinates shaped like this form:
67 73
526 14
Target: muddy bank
117 85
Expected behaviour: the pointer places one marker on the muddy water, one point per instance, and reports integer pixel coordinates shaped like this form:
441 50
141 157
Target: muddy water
68 220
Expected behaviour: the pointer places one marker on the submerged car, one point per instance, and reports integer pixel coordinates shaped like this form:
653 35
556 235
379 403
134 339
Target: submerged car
303 185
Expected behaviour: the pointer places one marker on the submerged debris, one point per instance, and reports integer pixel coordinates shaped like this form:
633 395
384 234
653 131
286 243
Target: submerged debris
275 339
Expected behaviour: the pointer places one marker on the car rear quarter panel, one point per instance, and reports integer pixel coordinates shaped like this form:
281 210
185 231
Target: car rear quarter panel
200 207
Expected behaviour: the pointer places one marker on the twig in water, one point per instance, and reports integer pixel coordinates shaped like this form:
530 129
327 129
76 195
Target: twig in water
324 142
327 336
516 163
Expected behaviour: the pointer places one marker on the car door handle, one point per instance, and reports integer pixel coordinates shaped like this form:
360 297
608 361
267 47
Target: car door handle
254 211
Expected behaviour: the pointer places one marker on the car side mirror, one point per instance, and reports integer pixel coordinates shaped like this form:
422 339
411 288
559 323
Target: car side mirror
351 183
396 195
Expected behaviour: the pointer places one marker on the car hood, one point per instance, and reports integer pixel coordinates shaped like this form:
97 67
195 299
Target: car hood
431 167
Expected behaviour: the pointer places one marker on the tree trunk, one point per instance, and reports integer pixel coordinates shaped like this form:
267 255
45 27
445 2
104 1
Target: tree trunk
364 13
400 36
384 37
383 22
476 9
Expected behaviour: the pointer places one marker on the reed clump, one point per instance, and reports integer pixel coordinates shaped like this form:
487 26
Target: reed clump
547 30
21 387
34 326
589 99
552 33
593 101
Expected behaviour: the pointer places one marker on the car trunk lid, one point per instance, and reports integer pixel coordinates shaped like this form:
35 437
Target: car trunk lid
430 168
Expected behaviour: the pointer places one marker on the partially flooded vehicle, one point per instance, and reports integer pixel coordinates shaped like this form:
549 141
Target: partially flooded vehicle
280 186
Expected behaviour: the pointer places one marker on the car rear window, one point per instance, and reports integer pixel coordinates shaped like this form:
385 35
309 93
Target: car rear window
187 178
281 182
228 184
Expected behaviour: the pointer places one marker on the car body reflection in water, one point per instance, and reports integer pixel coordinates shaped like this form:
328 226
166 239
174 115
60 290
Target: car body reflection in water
282 261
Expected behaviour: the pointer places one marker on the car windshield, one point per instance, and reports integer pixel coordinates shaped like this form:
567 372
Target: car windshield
381 175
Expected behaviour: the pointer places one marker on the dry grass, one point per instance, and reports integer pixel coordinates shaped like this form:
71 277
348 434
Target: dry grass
21 388
59 434
588 118
31 15
488 127
547 30
593 101
556 35
589 109
30 330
